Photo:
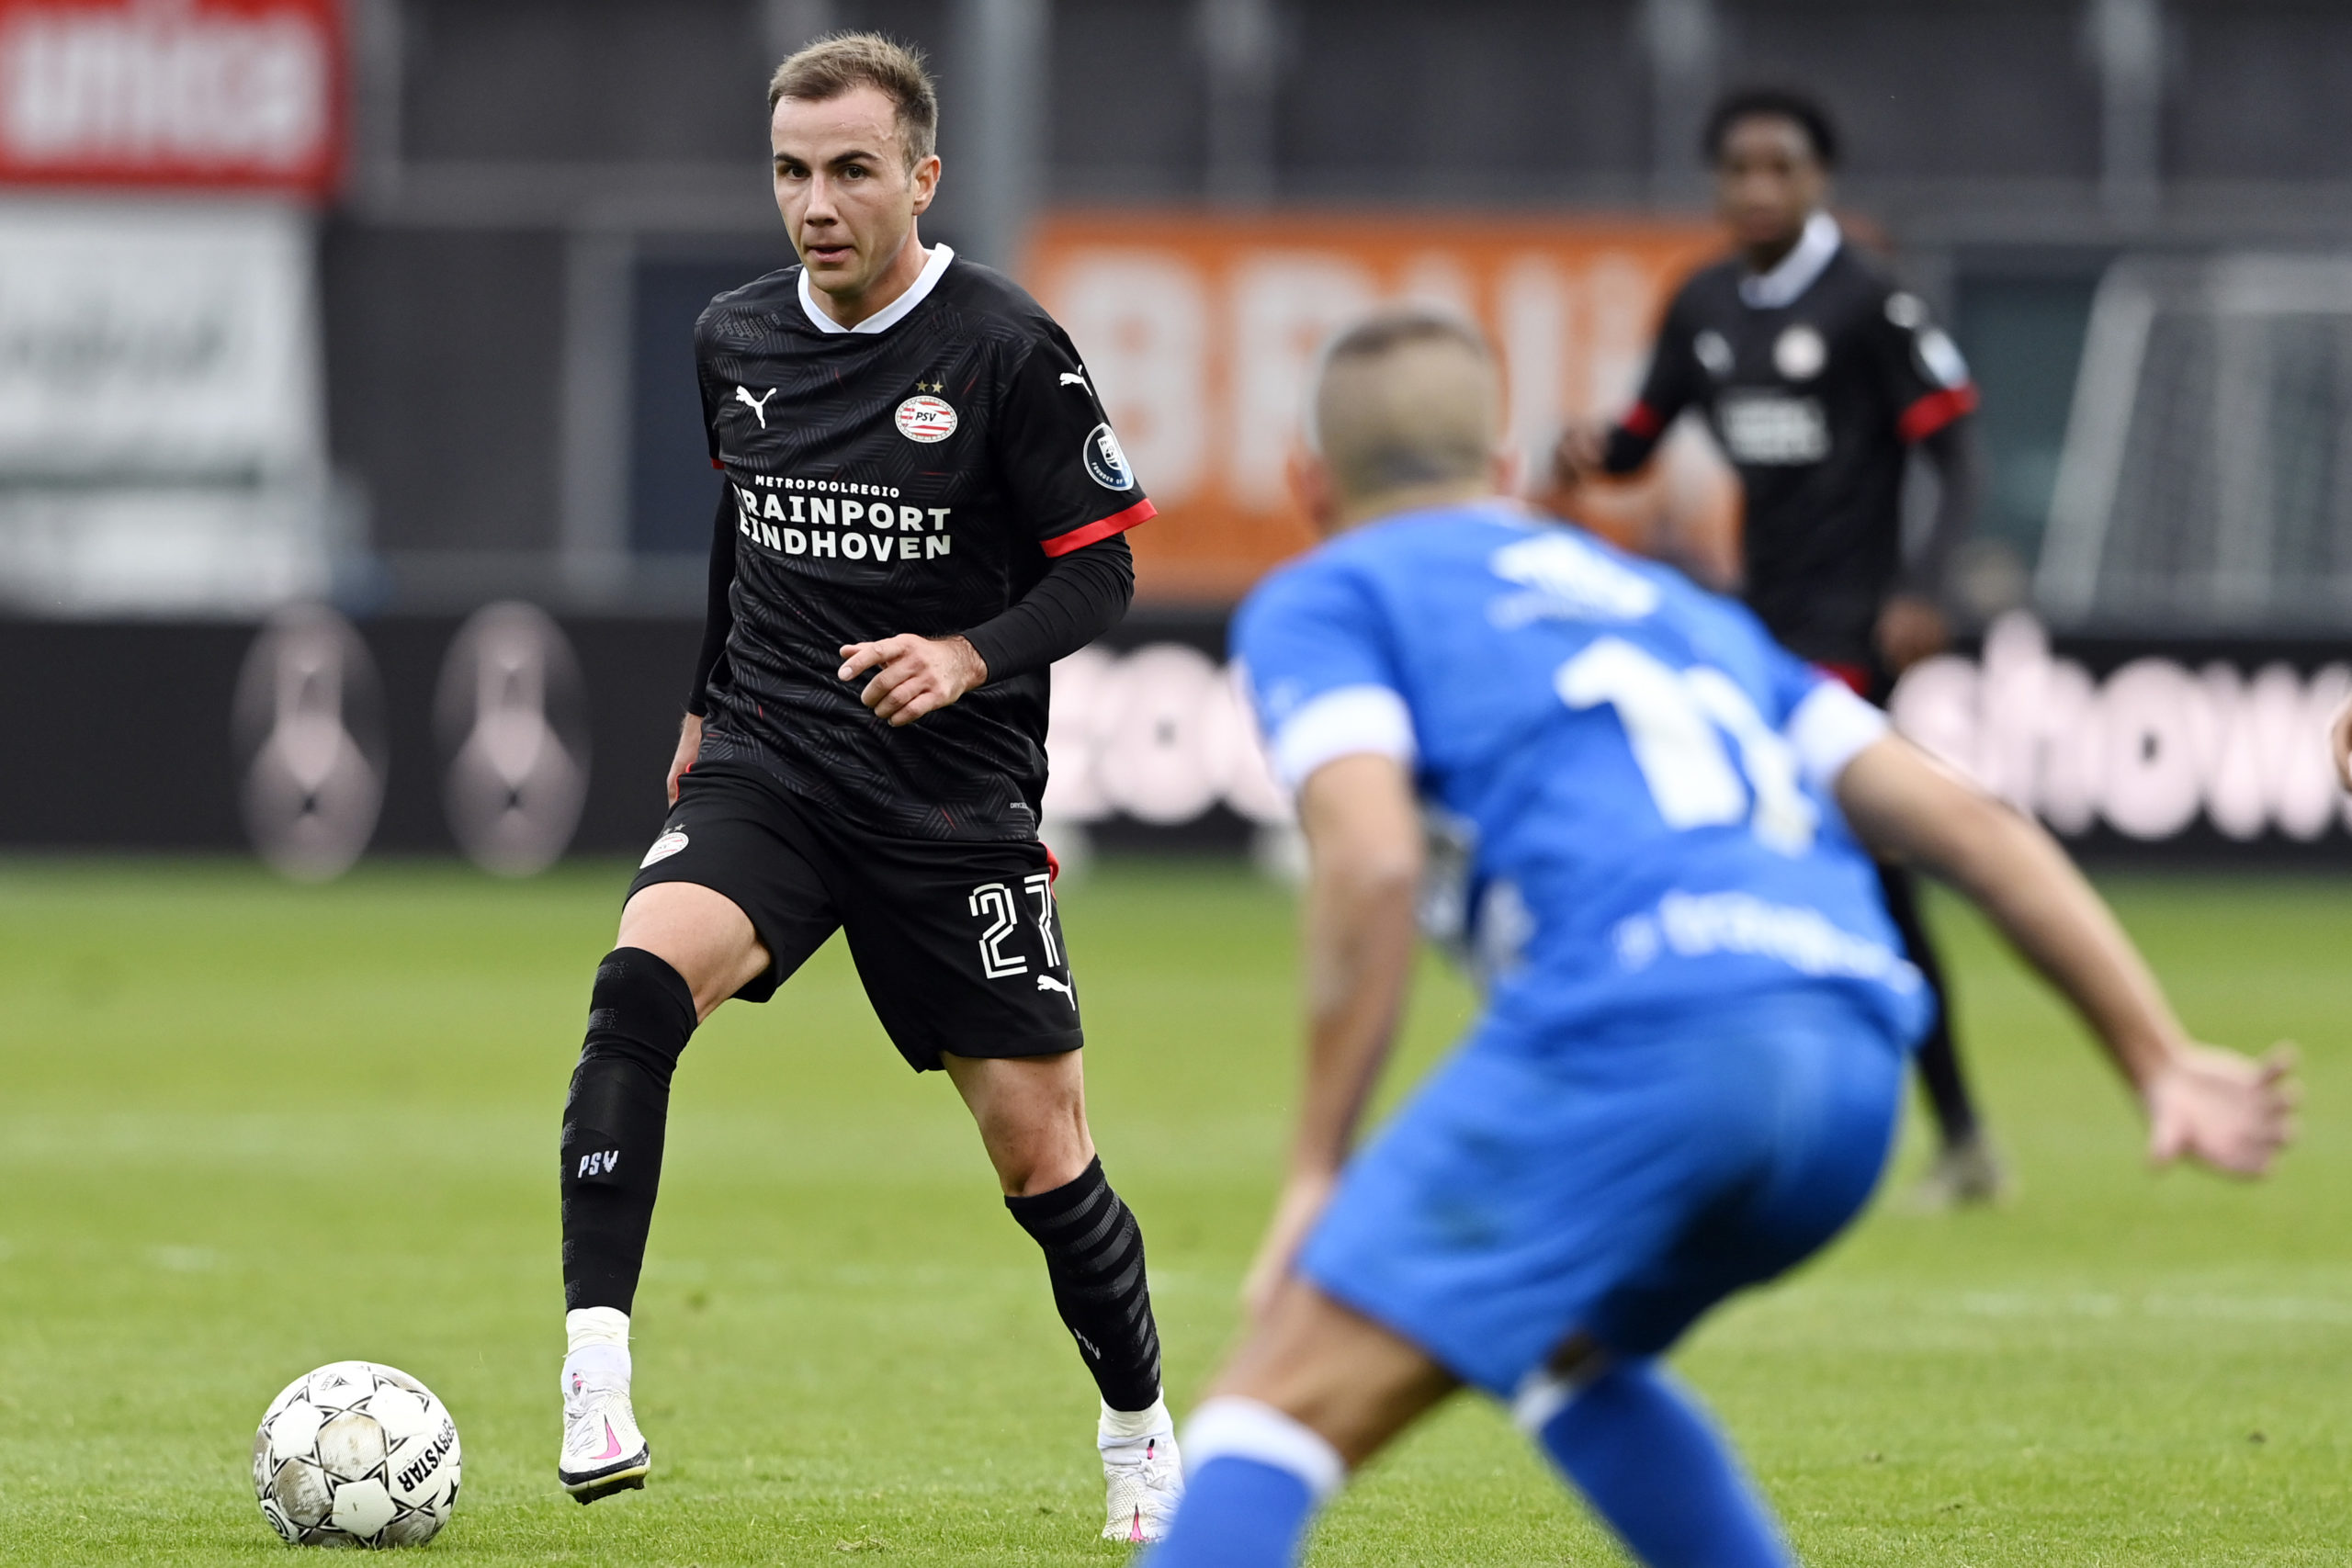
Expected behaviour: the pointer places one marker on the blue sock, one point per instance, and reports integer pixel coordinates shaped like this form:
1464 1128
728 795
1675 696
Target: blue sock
1651 1464
1237 1513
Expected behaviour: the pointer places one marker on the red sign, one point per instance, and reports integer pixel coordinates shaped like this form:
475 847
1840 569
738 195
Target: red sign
225 94
1201 330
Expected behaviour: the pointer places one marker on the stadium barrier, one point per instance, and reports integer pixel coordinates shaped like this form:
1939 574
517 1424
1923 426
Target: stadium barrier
514 737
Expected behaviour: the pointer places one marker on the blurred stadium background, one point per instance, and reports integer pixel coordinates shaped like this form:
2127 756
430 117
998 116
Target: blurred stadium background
353 503
383 306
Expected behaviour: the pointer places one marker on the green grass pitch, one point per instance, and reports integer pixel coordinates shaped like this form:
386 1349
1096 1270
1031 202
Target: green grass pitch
246 1128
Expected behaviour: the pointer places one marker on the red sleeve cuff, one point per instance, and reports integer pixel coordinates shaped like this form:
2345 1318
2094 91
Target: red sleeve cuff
1853 677
1642 421
1102 528
1935 411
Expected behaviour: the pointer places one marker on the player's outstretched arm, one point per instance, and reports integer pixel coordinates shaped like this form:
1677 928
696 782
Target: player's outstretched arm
1364 840
2225 1110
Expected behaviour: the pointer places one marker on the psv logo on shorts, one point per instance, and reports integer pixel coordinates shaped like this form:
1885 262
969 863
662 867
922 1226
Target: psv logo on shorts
926 419
665 846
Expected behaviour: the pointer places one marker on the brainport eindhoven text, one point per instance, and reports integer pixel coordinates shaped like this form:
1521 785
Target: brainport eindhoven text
797 521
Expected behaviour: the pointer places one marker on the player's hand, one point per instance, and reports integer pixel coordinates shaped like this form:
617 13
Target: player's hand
689 748
1302 1202
1910 627
2339 741
912 675
1582 448
2225 1110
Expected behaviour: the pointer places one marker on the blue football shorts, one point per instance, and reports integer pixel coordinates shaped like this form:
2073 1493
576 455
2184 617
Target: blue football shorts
1620 1182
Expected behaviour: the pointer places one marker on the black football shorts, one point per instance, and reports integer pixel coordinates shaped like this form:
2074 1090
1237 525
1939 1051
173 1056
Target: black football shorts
959 944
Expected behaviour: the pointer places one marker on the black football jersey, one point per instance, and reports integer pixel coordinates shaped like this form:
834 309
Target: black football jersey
913 474
1815 403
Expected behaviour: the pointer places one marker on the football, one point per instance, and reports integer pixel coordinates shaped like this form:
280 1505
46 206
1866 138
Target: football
355 1454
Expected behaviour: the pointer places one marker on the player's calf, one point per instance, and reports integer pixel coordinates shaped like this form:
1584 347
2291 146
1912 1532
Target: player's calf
1094 1257
641 1016
1651 1464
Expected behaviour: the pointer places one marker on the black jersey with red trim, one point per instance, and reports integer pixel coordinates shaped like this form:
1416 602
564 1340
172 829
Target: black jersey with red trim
914 474
1814 402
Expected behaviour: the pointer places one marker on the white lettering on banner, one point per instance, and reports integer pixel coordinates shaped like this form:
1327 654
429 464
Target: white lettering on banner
1533 304
136 87
1161 734
1183 354
2146 751
1284 307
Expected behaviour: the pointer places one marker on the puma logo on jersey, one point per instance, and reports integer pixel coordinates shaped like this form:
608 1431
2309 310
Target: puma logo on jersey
598 1163
759 405
1072 378
1047 983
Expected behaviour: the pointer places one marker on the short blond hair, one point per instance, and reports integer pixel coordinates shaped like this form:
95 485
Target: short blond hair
842 62
1408 397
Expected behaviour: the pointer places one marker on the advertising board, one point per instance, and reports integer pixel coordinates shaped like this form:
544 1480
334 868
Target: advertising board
216 94
1201 330
163 440
2156 751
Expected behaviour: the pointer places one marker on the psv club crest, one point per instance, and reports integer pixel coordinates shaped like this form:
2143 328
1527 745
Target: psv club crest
926 419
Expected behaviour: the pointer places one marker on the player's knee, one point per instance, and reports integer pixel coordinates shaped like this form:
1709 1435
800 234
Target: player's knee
1034 1155
640 1012
702 935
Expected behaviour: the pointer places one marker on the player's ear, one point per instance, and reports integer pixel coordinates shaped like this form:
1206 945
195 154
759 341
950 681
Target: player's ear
926 179
1312 486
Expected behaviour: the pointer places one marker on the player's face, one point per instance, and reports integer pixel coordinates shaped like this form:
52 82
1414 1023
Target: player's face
842 182
1767 180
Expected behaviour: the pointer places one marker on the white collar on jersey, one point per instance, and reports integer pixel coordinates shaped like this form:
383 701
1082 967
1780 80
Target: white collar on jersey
889 315
1806 258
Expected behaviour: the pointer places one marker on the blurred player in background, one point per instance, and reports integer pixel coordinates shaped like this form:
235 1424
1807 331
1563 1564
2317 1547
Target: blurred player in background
923 509
1820 379
1689 1064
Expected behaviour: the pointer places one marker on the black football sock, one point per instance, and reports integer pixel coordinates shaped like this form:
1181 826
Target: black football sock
1094 1257
1938 1059
640 1016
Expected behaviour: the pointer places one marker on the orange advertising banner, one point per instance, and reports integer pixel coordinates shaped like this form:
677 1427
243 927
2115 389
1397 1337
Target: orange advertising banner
1201 330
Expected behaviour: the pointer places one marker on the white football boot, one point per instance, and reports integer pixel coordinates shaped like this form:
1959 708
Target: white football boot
603 1450
1143 1475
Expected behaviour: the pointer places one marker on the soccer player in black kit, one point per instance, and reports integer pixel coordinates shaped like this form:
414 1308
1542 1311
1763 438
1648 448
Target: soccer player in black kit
1820 379
923 508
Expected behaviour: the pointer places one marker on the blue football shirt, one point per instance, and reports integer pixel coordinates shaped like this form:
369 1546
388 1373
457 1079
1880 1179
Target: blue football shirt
1642 775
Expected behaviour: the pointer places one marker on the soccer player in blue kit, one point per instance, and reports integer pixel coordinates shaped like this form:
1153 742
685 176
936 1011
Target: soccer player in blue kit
1688 1071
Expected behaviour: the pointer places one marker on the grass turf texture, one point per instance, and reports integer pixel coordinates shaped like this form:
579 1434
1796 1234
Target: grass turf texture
249 1128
